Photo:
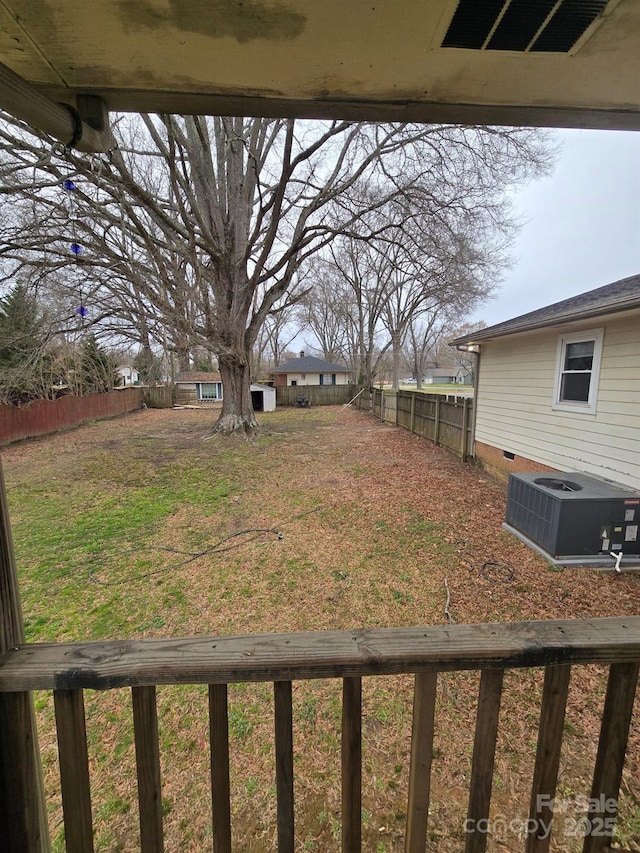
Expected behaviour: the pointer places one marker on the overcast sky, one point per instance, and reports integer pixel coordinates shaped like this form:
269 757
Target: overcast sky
581 225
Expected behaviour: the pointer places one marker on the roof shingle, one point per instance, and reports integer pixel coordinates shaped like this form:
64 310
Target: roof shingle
621 295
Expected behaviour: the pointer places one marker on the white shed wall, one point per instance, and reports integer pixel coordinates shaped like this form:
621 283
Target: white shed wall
515 398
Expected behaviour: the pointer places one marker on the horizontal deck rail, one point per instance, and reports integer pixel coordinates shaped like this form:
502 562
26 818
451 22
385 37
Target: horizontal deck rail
317 654
70 668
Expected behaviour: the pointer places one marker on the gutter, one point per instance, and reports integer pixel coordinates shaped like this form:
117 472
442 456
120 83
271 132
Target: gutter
475 350
547 323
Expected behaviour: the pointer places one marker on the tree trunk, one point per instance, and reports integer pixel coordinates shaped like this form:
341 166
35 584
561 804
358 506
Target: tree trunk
237 410
396 354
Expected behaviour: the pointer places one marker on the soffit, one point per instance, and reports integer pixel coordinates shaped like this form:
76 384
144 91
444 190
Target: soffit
376 60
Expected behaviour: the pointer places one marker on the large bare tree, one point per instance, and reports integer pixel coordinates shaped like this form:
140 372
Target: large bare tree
200 225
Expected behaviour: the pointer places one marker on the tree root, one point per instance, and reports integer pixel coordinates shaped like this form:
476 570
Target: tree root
232 424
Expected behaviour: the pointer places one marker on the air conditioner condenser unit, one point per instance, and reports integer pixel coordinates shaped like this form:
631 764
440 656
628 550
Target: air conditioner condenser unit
574 518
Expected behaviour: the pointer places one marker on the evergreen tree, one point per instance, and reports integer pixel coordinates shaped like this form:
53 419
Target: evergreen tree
24 368
97 366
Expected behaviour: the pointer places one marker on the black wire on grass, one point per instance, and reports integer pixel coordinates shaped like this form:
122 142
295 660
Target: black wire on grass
191 556
497 572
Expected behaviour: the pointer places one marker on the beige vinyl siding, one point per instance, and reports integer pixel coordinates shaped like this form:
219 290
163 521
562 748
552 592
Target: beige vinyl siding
516 393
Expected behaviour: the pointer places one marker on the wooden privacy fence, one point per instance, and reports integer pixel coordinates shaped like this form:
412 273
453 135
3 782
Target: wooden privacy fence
318 395
46 416
446 420
158 396
141 665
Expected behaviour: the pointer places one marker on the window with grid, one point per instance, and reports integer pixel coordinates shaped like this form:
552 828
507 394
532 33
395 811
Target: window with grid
577 371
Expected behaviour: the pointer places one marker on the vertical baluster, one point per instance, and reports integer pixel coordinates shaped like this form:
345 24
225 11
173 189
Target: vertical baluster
484 750
612 746
220 788
74 770
145 724
424 704
351 765
284 764
545 774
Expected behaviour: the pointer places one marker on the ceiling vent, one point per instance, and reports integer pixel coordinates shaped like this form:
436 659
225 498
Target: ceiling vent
574 516
522 25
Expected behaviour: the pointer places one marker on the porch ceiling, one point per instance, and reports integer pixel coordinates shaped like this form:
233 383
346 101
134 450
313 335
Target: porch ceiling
370 59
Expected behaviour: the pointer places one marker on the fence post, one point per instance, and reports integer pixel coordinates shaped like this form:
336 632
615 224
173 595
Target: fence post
465 427
382 405
436 426
23 823
413 411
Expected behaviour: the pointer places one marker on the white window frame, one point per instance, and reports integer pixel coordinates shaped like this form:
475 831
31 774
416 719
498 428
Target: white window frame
588 407
207 399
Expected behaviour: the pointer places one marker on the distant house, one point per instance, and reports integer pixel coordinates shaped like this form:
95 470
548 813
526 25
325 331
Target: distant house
128 375
202 388
307 370
440 376
464 377
559 388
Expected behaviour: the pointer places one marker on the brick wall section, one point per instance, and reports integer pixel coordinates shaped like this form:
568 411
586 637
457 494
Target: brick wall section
494 462
46 416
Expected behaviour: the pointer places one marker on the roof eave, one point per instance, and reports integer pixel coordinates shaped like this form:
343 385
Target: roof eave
574 317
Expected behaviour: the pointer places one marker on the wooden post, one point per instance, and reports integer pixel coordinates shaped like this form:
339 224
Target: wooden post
545 775
145 726
424 705
283 716
220 784
351 765
612 748
23 822
484 749
436 427
75 784
465 427
413 412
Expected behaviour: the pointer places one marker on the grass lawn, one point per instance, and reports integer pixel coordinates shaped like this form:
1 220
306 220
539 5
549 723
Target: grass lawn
148 526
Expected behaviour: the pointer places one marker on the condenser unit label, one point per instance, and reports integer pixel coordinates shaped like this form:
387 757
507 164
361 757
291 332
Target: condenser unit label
631 533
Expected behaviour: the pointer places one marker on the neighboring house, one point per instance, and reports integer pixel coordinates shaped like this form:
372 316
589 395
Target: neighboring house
559 388
128 374
202 387
307 370
464 377
195 388
440 376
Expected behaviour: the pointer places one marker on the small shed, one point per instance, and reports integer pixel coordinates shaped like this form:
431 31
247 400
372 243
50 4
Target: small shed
263 398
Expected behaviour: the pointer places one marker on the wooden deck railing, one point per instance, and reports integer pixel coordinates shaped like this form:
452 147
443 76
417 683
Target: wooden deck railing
68 669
